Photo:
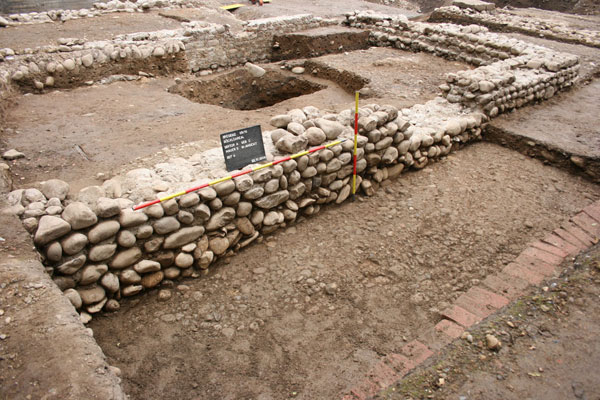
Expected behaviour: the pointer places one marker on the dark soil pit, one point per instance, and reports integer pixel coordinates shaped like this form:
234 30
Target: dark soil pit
307 312
239 90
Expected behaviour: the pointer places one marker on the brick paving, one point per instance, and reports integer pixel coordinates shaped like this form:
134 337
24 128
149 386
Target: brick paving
538 262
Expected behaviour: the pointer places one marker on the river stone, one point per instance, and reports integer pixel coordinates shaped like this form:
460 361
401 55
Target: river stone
206 259
244 209
112 305
183 237
50 228
273 200
102 252
151 280
131 290
184 260
126 239
144 232
297 190
315 136
90 195
343 195
254 70
254 193
291 144
245 226
243 183
74 298
110 282
219 245
87 60
189 200
257 217
215 204
146 266
54 252
126 258
332 129
390 155
129 277
32 196
272 218
166 225
154 211
130 218
278 134
79 215
453 127
91 273
220 219
172 272
224 188
92 294
207 193
280 121
103 231
154 244
202 212
106 208
232 199
295 128
55 188
96 307
74 243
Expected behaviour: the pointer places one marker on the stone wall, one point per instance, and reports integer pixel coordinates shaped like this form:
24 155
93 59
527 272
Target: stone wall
510 74
27 6
505 20
98 250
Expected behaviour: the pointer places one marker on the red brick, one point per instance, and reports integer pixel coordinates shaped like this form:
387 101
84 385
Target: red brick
558 242
449 328
536 265
350 397
545 256
593 210
508 285
581 235
550 249
400 363
523 272
587 224
473 306
365 389
460 316
416 351
383 375
488 298
566 236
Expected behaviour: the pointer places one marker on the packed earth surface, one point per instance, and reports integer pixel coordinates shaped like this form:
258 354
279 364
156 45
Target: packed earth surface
304 312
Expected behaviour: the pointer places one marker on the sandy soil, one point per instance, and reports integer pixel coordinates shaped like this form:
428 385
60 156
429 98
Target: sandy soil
270 318
550 351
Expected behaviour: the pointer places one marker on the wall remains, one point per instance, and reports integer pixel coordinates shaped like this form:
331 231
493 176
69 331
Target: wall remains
98 250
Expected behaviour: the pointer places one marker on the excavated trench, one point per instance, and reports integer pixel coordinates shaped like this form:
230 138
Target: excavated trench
304 313
239 90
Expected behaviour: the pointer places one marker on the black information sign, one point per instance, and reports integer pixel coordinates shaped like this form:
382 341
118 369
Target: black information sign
243 147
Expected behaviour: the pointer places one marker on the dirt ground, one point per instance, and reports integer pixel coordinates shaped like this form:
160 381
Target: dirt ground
550 350
97 28
117 125
305 313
